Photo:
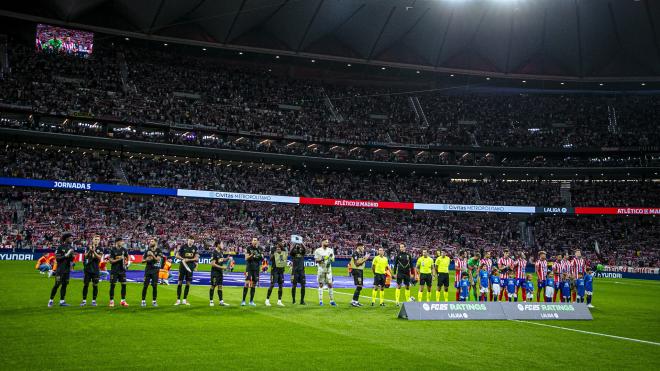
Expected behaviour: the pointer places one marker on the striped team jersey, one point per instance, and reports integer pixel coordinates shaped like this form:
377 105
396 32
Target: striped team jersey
504 262
520 265
541 269
460 266
578 266
488 262
556 270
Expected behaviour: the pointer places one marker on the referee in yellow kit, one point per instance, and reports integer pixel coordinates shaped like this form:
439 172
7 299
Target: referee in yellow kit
425 269
442 272
379 265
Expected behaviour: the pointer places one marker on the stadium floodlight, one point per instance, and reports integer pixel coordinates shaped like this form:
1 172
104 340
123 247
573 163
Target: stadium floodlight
348 65
643 84
382 68
240 53
277 57
126 38
417 71
452 75
165 44
204 49
601 84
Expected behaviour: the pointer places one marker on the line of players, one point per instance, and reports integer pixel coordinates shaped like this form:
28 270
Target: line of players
485 279
571 278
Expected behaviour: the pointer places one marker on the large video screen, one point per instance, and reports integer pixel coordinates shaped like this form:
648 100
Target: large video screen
59 40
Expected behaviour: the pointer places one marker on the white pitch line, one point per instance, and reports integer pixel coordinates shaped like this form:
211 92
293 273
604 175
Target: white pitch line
589 332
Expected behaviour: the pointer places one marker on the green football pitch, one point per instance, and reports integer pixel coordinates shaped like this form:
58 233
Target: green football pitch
624 334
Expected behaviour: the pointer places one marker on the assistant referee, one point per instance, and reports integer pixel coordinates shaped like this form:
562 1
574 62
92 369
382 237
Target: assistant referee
425 268
442 272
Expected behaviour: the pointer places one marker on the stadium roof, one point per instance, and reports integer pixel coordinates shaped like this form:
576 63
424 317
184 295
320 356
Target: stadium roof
567 39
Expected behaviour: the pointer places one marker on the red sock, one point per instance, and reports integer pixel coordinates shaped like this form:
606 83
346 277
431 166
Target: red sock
490 296
457 295
554 297
573 296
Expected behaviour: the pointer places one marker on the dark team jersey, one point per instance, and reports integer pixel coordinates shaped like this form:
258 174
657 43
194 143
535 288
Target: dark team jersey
63 261
119 266
278 259
188 252
254 262
155 264
91 262
403 263
217 258
357 256
298 258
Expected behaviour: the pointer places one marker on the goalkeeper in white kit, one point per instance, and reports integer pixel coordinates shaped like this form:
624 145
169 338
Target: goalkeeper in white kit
324 256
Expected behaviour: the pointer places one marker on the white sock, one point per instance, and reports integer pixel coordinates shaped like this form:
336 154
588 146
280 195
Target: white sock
332 296
321 294
61 301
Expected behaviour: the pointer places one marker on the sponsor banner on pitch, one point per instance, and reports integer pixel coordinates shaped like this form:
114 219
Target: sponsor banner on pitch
453 311
549 311
461 311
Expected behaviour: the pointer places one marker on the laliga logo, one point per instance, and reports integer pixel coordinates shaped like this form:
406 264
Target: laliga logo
426 307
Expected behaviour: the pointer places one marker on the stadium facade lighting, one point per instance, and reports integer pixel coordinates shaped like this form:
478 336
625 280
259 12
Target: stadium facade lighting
382 68
348 65
204 49
452 75
313 60
240 53
277 57
165 44
643 84
126 38
601 84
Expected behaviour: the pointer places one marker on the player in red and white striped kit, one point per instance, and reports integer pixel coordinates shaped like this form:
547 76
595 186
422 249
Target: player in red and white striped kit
519 266
541 267
564 267
504 262
488 261
556 271
460 266
578 265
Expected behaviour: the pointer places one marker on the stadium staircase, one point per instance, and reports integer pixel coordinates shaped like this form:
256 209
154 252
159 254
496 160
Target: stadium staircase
565 194
420 116
612 125
123 74
120 174
334 114
4 57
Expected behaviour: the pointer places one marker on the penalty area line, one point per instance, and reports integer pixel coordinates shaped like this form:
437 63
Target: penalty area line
589 332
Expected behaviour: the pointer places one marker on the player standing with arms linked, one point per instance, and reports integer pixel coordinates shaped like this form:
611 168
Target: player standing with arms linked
504 265
460 266
218 262
379 267
358 261
64 257
541 267
92 259
188 258
425 268
253 257
324 256
278 264
152 257
442 272
118 265
298 271
403 272
520 264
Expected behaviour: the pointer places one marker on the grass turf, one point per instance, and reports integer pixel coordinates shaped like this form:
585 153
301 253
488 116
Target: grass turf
296 337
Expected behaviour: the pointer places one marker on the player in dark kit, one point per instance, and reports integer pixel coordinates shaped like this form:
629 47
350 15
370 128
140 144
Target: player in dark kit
118 263
402 271
358 261
188 258
253 257
298 271
93 257
218 262
278 264
152 257
64 256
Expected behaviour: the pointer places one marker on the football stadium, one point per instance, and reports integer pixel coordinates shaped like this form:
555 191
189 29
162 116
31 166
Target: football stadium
330 184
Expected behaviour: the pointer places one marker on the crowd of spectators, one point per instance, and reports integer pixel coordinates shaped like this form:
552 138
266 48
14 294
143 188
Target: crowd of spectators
86 165
140 85
620 241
